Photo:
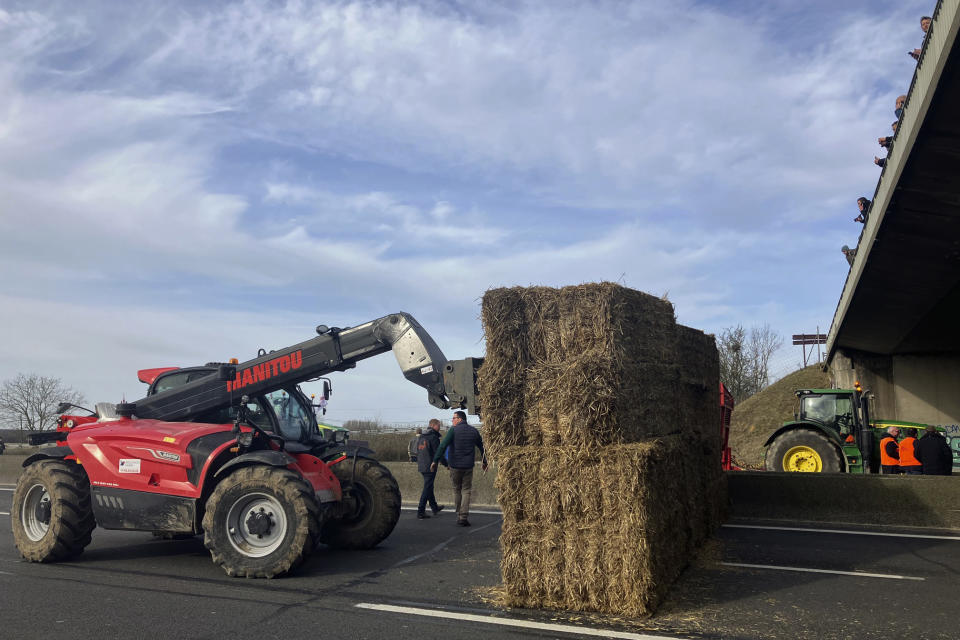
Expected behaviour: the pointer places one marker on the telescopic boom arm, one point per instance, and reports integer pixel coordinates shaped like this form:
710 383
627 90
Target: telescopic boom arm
448 384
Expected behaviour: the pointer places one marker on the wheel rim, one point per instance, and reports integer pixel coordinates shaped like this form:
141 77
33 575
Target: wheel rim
802 459
256 525
35 513
360 509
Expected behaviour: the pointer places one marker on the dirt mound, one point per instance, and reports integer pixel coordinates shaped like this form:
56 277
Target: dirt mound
761 414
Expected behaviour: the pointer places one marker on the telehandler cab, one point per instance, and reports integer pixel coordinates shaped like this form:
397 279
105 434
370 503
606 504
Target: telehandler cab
232 451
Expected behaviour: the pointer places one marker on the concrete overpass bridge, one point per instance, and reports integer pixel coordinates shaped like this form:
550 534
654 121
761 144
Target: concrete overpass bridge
897 325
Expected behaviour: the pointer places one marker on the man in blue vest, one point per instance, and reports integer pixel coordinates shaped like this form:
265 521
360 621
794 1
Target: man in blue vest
463 440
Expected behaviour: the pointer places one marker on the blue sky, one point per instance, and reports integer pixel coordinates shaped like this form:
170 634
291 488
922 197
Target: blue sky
185 182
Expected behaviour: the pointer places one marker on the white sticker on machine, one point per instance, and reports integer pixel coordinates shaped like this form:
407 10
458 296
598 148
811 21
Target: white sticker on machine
427 369
129 465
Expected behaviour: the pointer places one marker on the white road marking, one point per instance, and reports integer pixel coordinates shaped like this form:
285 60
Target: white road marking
479 529
4 513
439 547
851 532
511 622
472 511
7 488
859 574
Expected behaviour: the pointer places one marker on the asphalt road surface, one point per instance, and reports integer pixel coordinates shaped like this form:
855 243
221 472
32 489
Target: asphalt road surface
431 579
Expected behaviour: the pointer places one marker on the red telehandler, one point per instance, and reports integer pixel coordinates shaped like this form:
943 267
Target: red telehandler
231 451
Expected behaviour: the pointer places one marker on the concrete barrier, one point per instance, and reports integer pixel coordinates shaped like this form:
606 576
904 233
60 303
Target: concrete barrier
904 501
411 483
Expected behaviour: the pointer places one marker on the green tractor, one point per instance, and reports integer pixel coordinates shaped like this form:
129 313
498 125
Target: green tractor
833 432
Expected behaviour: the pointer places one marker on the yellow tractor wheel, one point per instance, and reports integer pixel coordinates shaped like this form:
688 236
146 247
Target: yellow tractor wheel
803 459
803 450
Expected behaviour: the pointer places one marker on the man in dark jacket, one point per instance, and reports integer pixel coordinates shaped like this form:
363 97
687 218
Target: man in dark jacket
934 453
413 444
427 446
462 439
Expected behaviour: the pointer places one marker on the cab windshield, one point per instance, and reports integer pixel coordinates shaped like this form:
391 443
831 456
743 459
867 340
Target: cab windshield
835 411
294 421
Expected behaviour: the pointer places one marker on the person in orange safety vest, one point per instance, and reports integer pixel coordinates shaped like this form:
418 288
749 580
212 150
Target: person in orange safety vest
890 452
908 461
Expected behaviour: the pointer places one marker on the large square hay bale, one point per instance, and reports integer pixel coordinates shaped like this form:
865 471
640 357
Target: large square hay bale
591 365
602 415
533 324
604 530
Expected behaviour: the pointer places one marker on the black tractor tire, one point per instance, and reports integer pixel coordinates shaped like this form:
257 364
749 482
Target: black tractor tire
372 512
803 443
52 516
286 534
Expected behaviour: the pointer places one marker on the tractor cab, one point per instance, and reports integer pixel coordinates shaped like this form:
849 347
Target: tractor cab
832 409
829 433
286 412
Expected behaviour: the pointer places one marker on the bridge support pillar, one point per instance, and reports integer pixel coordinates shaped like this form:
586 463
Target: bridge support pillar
911 387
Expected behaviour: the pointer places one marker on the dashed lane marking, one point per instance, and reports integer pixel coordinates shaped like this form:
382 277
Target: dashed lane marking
472 511
859 574
511 622
851 532
439 547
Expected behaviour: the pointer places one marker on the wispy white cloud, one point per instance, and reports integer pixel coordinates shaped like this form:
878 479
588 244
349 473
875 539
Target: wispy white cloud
358 157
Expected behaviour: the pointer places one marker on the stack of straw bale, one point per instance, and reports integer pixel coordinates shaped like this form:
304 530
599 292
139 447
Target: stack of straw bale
601 413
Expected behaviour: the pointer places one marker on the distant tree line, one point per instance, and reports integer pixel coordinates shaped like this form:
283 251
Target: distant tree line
745 358
29 401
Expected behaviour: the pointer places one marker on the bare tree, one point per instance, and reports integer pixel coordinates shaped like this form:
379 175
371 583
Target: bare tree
745 358
29 402
764 342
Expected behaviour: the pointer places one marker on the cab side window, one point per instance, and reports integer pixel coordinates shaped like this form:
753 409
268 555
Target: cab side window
256 413
295 423
174 380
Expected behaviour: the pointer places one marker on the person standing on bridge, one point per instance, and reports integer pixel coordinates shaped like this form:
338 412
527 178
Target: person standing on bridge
863 204
898 111
888 140
463 440
925 23
934 453
908 460
890 452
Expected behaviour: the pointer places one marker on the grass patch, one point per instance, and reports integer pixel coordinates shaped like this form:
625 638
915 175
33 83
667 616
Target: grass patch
411 482
11 463
387 447
757 417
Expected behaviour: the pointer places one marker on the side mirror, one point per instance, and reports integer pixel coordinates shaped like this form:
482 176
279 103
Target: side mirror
327 389
63 406
226 372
